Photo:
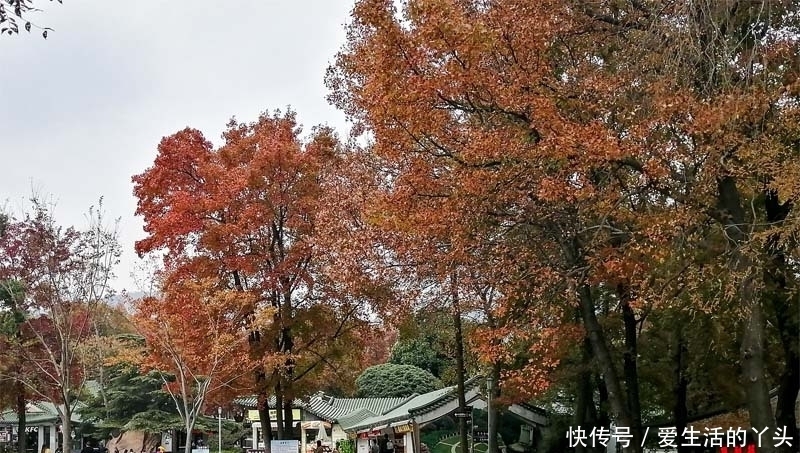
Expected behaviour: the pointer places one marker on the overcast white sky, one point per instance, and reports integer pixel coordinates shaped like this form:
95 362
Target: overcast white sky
84 110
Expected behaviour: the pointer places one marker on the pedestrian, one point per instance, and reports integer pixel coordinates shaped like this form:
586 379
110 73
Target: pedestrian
382 442
389 444
374 448
319 448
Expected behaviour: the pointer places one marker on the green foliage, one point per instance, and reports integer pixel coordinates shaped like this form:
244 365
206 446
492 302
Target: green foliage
231 431
128 395
154 421
392 380
347 446
422 352
11 293
427 341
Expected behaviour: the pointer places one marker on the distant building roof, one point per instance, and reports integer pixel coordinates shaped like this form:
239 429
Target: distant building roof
414 406
251 402
360 413
355 418
334 409
37 412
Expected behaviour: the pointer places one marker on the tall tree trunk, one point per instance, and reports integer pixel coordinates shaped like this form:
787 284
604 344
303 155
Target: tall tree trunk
187 425
288 416
460 371
494 420
600 350
287 344
790 378
680 387
22 438
605 361
583 397
753 339
603 418
787 311
263 415
278 406
66 423
630 370
255 343
495 392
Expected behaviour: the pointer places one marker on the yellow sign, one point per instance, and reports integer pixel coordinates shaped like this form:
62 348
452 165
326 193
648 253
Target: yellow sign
407 428
252 415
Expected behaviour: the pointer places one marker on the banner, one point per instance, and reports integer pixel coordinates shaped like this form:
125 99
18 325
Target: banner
252 415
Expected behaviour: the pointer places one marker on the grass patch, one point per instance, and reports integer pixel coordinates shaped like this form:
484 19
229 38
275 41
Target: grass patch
480 448
445 445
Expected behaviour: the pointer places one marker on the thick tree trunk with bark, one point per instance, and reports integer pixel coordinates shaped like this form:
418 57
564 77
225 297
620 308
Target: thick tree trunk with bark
786 307
263 414
496 393
600 349
603 419
584 402
66 428
630 369
460 371
680 387
278 405
22 439
288 416
605 361
753 339
491 322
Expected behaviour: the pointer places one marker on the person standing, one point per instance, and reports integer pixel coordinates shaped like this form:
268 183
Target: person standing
389 444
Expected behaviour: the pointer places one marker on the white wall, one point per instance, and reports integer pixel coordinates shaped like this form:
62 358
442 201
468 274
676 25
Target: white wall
337 434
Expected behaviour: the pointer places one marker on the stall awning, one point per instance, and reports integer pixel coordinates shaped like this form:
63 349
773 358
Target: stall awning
316 424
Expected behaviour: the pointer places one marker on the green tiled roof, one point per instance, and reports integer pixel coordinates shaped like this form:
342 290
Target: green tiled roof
355 418
251 402
334 409
359 413
37 412
331 409
417 404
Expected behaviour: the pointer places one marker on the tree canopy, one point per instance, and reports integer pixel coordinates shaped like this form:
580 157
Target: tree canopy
392 380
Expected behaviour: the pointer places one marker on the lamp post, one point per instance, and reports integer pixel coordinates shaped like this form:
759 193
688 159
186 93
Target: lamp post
219 430
491 438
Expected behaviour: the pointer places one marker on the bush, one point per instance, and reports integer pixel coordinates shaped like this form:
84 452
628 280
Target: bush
391 380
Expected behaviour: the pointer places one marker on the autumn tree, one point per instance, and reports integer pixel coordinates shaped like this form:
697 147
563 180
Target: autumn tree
195 343
64 275
548 136
463 166
251 214
14 370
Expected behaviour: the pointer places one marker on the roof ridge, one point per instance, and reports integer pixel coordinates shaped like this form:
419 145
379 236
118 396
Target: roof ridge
403 402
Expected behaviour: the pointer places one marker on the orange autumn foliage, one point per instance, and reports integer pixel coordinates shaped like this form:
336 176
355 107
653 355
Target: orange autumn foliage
573 153
268 214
